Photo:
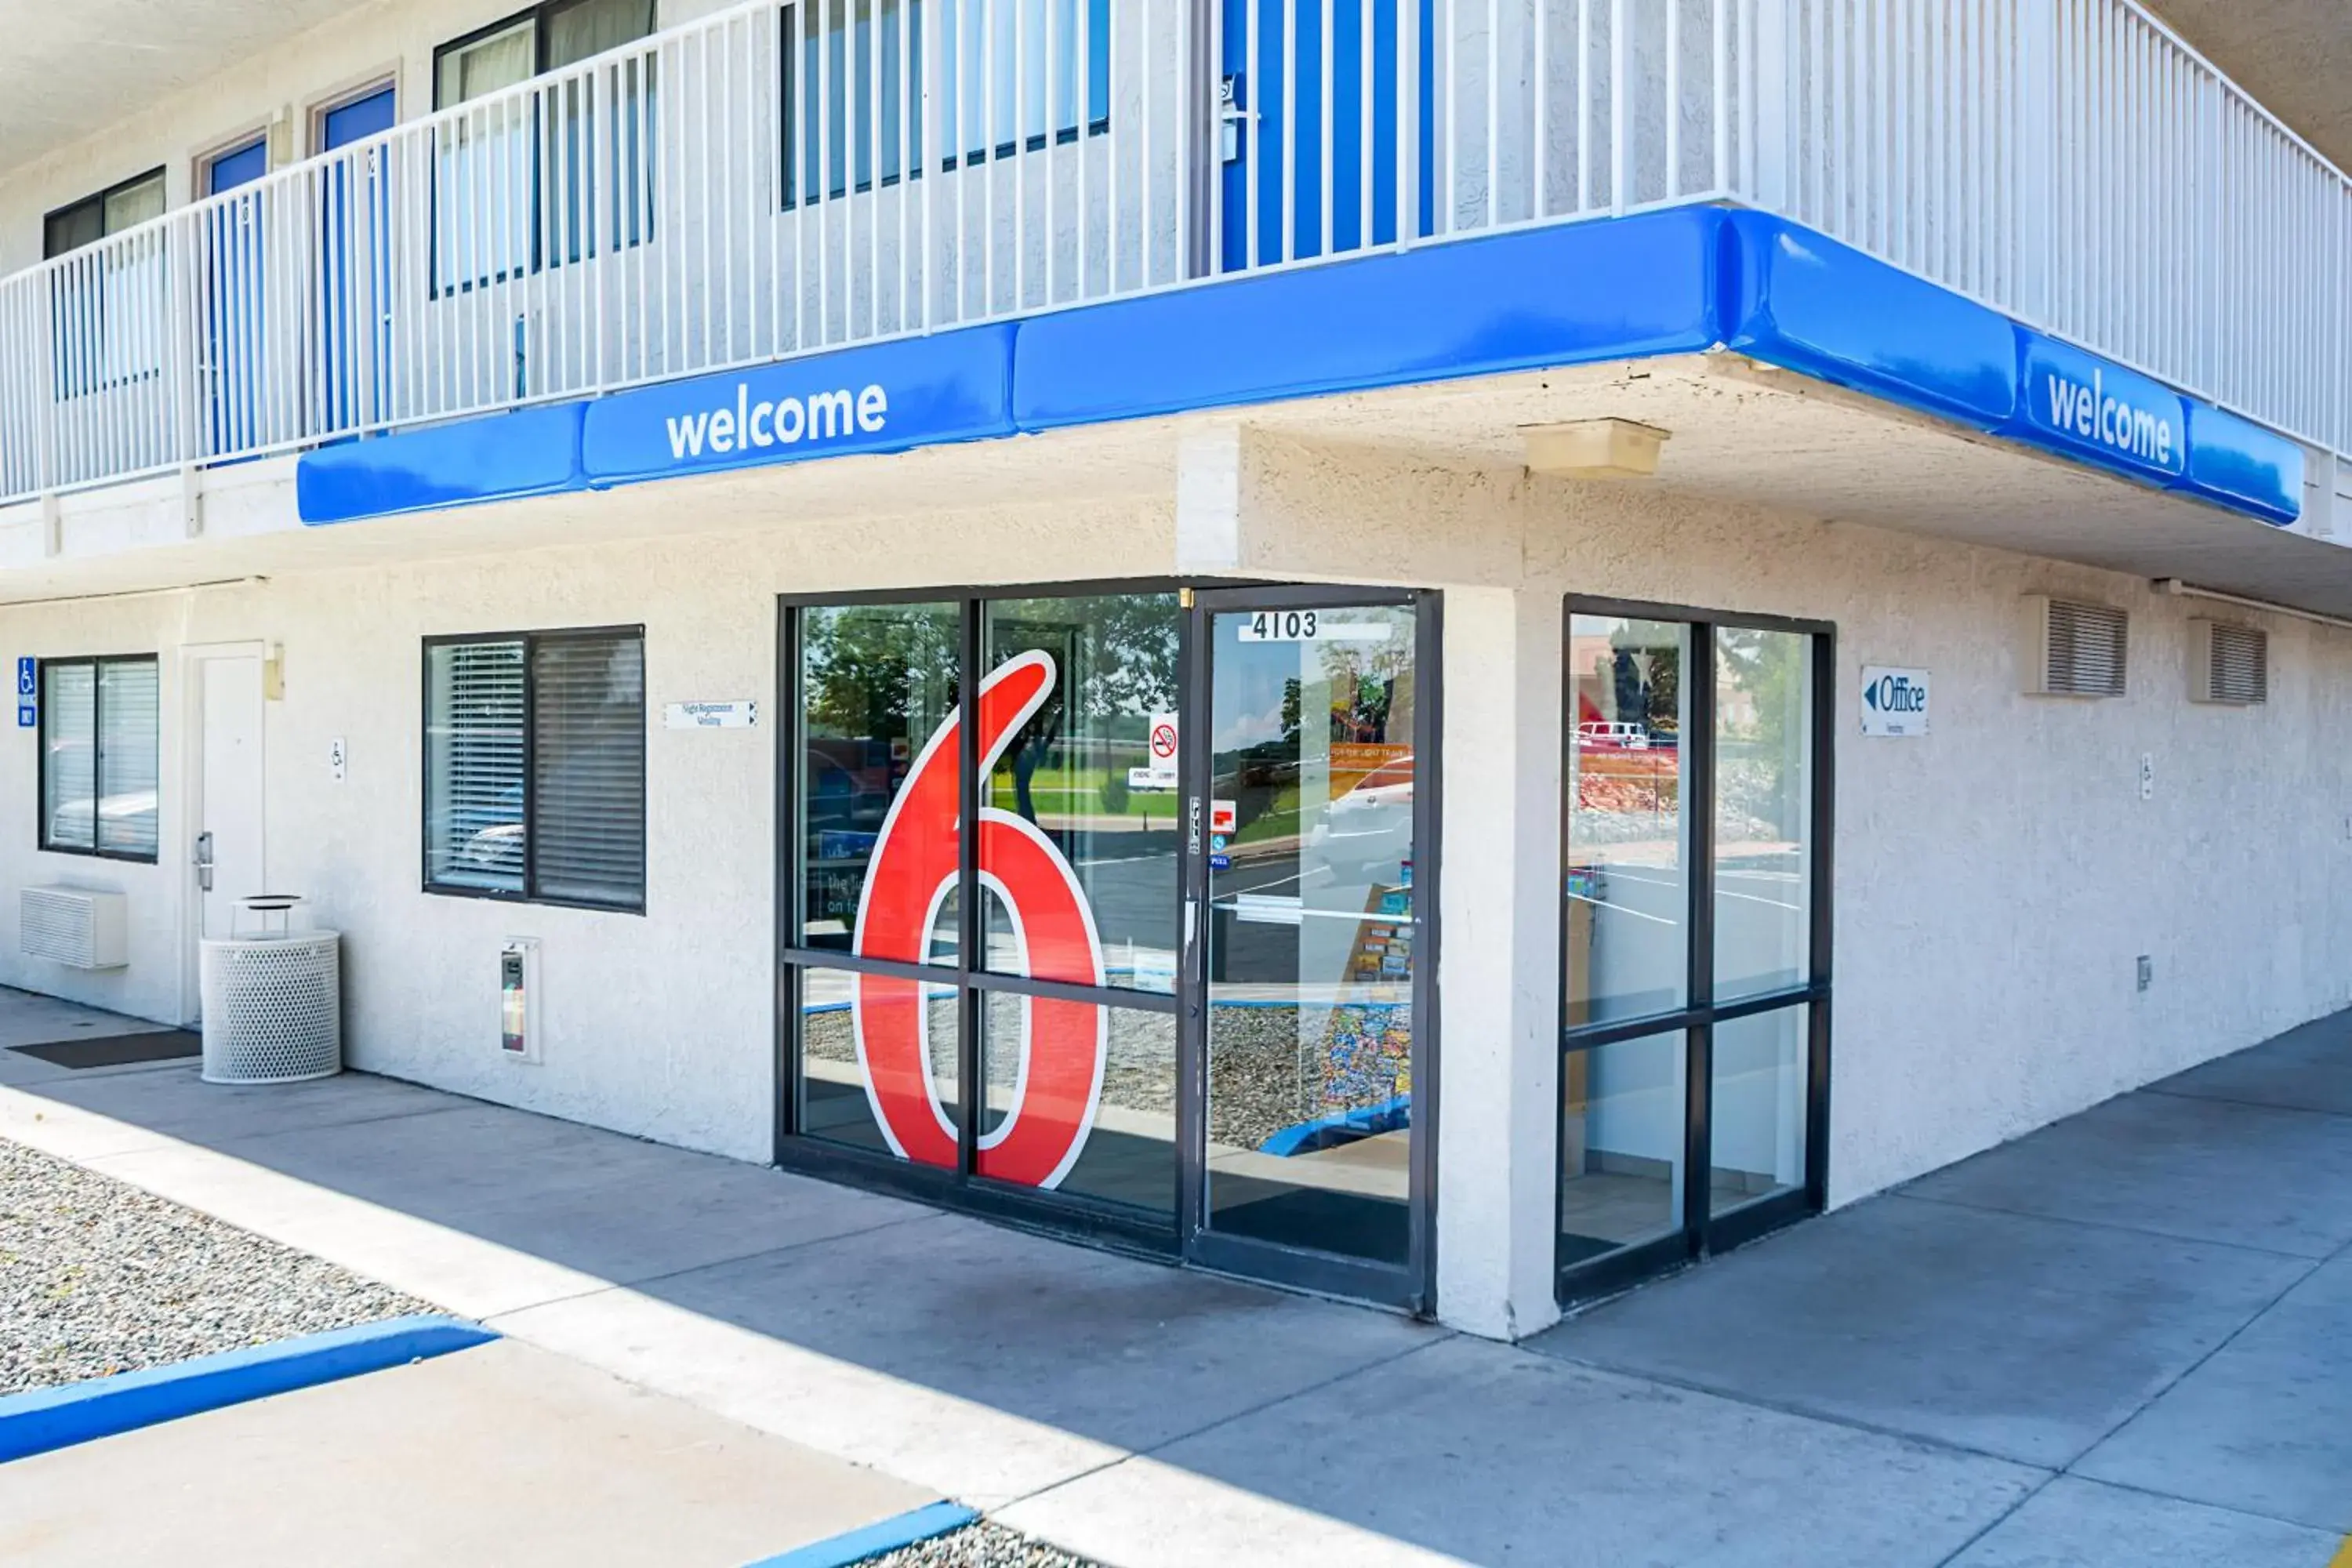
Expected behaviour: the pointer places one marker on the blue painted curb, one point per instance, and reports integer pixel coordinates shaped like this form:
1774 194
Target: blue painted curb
887 1535
44 1418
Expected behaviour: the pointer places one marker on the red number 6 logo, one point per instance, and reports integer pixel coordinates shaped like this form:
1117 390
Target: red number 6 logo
913 871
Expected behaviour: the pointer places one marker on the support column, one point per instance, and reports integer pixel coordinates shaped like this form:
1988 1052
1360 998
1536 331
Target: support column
1498 1010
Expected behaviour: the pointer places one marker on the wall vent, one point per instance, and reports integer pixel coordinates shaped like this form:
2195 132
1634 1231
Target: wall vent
2229 664
2077 650
74 926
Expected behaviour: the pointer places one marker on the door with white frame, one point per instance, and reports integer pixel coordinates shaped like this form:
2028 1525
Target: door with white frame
223 848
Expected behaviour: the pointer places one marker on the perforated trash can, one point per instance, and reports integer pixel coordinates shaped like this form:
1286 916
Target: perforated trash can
272 997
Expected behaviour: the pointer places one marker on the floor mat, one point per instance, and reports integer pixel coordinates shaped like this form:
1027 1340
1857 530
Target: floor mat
117 1050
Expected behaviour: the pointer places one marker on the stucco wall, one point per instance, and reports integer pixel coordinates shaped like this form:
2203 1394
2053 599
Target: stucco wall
1995 881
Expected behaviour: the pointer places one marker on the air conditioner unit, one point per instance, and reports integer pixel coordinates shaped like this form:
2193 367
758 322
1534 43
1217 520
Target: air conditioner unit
2074 649
2228 664
76 927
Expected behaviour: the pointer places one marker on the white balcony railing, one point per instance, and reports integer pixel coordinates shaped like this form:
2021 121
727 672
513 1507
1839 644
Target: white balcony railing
779 179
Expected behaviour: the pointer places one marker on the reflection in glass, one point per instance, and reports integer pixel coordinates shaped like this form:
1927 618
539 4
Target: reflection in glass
877 686
1621 1144
1763 803
1627 893
1312 928
1757 1126
1128 1153
1093 769
836 1101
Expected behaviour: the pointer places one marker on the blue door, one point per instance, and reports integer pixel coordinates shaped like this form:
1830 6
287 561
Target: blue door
1278 78
233 303
355 269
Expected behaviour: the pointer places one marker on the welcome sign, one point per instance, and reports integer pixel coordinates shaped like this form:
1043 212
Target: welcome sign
2103 411
955 386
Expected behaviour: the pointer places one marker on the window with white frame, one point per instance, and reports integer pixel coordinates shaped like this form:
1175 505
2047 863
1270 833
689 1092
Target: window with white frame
535 767
100 767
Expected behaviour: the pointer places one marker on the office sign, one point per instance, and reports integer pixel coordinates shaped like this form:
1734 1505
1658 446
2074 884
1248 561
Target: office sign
738 713
28 690
1894 701
955 386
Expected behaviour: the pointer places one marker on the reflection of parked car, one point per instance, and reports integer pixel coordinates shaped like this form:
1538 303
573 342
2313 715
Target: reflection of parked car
1371 825
1621 736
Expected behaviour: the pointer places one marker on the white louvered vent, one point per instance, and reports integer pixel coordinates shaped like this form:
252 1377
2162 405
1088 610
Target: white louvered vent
74 926
2229 664
2077 650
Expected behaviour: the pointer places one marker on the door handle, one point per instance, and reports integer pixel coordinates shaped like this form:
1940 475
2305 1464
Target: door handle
205 860
1231 117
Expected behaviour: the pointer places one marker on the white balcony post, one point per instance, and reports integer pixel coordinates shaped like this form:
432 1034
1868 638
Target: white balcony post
2034 139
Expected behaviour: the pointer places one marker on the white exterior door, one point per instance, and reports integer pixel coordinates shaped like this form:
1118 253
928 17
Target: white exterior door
225 823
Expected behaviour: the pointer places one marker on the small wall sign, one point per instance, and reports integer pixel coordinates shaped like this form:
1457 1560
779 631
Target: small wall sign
1894 701
28 689
741 713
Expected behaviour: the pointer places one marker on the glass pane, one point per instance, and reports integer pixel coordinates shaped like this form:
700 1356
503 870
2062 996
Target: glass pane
127 710
1621 1144
1757 1124
877 781
70 757
1763 810
1311 928
1079 841
584 27
588 770
1080 1098
135 204
485 65
473 765
877 1063
1627 901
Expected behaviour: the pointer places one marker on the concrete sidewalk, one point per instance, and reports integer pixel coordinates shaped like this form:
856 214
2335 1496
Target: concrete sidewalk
2126 1338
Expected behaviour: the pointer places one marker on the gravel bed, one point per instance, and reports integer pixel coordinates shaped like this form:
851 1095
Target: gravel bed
96 1277
982 1545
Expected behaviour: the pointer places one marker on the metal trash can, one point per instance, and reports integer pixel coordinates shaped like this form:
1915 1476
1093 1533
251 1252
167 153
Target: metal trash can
272 994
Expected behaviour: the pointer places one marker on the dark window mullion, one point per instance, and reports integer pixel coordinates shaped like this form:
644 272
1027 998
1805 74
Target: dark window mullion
969 927
1697 746
97 751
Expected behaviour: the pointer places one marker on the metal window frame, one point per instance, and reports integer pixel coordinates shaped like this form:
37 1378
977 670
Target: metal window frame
529 642
1147 1230
1176 1236
1413 1286
1700 1232
41 840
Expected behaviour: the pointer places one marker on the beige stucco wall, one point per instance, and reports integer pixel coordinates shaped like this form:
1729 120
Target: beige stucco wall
1995 881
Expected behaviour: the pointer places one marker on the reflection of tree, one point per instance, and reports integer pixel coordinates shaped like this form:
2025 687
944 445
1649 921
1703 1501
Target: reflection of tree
1117 658
1647 677
863 669
1371 683
1767 668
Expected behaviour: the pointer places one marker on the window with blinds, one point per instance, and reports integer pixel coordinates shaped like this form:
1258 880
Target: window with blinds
535 767
99 762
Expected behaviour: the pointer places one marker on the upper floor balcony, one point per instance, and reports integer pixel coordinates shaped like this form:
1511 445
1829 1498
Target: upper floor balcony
777 180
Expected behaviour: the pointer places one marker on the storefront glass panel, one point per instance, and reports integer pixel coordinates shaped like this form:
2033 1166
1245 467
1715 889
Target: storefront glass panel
1092 769
1758 1128
1312 928
1763 807
1621 1140
843 1097
1695 986
1626 925
1128 1108
878 696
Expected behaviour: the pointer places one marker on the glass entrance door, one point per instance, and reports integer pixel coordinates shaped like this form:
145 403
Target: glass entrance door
1309 900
